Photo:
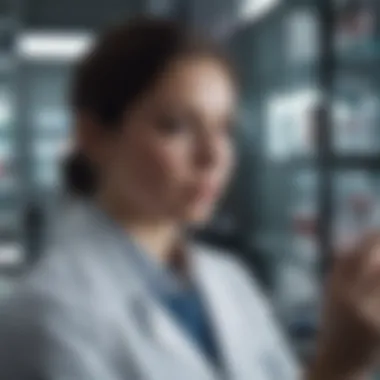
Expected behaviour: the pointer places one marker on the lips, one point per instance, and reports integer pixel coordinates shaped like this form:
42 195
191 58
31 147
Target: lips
205 192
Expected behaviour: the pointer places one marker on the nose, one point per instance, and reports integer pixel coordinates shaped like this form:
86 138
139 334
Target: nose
207 153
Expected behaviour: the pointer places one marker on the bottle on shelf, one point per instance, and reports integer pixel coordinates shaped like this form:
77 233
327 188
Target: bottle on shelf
356 118
356 29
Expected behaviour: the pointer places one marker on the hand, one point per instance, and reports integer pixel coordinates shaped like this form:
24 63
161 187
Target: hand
350 338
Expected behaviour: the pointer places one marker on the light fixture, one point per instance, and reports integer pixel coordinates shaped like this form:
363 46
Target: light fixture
254 9
52 46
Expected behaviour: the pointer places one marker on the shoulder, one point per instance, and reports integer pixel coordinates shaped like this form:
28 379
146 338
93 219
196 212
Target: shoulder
47 299
56 297
44 327
30 326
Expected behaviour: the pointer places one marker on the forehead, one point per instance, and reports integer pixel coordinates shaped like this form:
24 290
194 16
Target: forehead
203 83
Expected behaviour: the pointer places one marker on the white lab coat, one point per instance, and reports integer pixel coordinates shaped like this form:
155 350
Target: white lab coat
85 314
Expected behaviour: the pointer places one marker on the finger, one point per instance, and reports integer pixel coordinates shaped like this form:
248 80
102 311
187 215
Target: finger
345 246
368 241
368 285
371 262
353 263
370 308
369 256
346 262
365 248
369 276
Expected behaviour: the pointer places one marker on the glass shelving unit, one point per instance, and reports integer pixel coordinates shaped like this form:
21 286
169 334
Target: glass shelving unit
12 252
311 76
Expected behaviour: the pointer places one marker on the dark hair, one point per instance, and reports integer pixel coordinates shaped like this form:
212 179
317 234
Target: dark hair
124 63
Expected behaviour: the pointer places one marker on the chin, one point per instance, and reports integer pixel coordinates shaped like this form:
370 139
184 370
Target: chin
198 216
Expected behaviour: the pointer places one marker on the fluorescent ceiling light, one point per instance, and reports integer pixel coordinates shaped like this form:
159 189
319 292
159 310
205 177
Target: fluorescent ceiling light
253 9
52 46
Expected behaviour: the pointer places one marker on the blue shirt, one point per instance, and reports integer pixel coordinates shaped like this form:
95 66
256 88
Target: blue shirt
188 308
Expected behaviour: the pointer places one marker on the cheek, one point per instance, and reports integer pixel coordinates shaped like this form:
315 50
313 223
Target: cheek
226 163
163 166
152 166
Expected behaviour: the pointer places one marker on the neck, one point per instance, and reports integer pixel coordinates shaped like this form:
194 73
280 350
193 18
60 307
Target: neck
159 237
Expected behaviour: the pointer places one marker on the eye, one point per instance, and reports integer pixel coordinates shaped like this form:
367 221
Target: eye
173 125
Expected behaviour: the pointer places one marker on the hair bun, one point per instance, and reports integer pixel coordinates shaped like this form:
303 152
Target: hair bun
79 175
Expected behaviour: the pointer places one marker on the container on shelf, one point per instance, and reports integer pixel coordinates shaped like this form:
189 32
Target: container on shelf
356 119
357 206
302 46
291 125
356 29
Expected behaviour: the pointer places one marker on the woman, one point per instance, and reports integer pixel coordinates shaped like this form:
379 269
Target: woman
122 294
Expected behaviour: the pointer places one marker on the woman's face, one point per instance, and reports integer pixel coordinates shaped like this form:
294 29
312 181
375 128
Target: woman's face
173 155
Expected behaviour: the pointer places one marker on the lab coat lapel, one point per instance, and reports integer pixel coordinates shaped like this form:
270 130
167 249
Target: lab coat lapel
239 348
174 340
159 348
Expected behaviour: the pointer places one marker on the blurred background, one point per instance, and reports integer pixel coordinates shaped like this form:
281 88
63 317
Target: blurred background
308 142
